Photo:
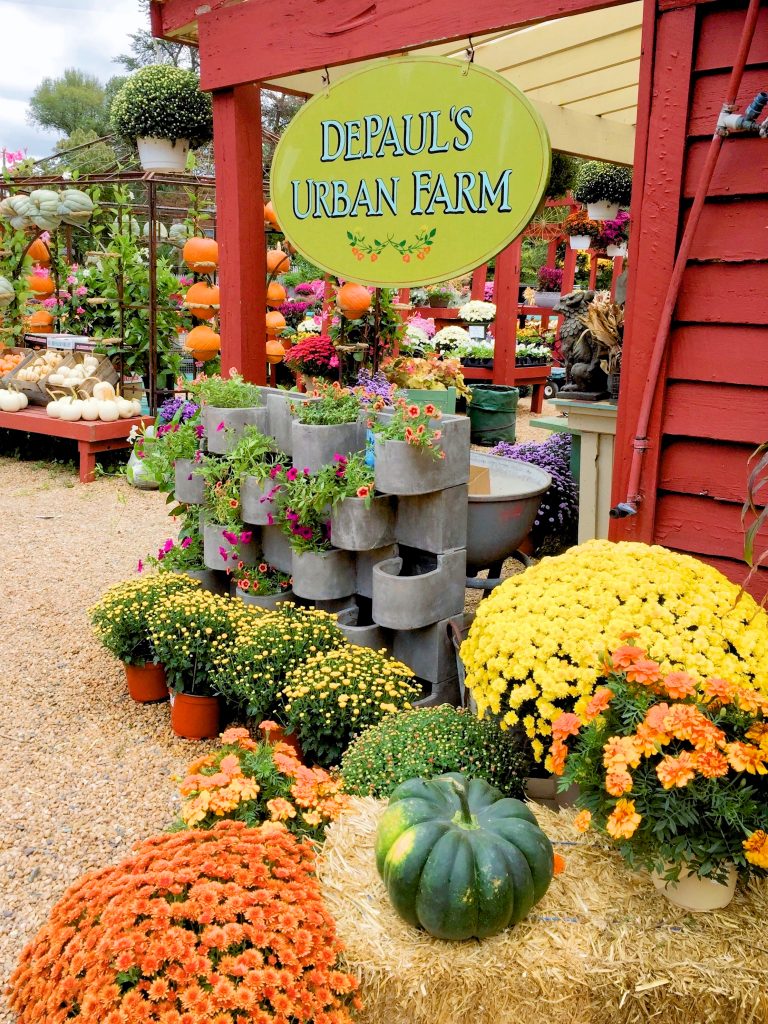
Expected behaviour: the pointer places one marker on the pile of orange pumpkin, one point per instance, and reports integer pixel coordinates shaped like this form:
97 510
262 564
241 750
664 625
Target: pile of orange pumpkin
202 300
9 361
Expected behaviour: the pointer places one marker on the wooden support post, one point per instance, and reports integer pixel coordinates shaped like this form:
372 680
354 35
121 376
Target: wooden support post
240 217
593 270
479 277
506 290
569 270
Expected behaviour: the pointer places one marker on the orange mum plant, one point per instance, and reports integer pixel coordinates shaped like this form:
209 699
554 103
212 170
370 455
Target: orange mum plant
255 782
225 926
674 770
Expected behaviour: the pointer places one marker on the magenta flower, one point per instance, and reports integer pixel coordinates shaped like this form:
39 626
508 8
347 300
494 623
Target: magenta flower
71 279
246 536
199 430
340 458
80 310
186 542
291 474
228 535
220 426
140 566
270 519
168 546
82 290
224 553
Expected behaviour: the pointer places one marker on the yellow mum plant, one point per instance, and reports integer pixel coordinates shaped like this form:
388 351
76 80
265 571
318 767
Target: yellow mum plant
536 646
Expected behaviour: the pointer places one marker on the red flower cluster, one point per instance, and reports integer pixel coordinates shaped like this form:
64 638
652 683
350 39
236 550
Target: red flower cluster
316 357
226 927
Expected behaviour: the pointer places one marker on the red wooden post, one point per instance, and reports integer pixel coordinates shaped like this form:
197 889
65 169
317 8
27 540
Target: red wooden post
479 277
327 305
618 267
569 270
240 230
506 290
593 269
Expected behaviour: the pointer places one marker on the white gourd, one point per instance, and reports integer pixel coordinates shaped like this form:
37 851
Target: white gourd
108 411
103 391
90 409
124 408
53 409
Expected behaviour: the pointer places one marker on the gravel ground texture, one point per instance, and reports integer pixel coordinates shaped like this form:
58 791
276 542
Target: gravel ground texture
86 772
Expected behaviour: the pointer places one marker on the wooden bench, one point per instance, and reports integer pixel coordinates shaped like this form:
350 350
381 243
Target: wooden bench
91 436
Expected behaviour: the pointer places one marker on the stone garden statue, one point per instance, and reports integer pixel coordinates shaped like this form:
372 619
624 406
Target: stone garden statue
584 377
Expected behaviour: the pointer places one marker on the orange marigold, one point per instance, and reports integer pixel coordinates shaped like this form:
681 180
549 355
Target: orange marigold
582 821
679 685
558 752
566 724
598 704
623 820
643 671
676 771
625 657
756 849
719 690
711 763
150 939
743 757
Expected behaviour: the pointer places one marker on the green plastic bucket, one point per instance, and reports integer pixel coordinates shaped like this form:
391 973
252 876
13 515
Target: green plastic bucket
444 400
492 413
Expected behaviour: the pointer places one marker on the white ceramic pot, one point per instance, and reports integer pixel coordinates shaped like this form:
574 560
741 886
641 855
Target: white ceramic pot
602 210
612 251
580 241
162 154
697 894
547 300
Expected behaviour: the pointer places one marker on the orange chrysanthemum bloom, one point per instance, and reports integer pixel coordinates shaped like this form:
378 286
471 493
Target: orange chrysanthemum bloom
623 820
712 764
756 849
582 821
187 930
598 704
643 671
566 724
743 757
625 657
679 685
676 771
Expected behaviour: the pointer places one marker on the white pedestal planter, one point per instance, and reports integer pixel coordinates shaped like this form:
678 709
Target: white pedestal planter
189 486
412 602
267 601
580 241
276 548
323 575
214 540
254 505
401 468
222 439
356 527
163 155
602 210
612 251
314 446
698 894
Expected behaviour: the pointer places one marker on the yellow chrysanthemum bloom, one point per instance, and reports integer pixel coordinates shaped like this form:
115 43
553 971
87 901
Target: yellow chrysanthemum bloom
536 645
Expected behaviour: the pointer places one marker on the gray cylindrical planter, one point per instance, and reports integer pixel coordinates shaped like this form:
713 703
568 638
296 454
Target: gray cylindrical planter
356 527
280 416
189 486
314 445
372 635
254 506
412 602
322 575
213 540
401 468
213 582
276 548
235 421
267 601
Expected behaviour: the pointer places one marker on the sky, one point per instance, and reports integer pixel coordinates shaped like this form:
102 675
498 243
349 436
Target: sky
40 39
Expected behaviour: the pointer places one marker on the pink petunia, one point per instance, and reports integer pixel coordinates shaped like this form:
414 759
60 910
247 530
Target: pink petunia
224 553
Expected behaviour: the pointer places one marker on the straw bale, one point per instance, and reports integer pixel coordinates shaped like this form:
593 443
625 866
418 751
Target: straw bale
602 947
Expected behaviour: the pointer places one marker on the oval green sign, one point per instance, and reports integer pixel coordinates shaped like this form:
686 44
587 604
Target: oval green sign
409 171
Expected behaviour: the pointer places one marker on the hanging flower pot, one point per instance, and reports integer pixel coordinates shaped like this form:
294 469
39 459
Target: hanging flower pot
357 525
697 894
146 683
163 154
323 575
612 251
194 717
580 242
602 210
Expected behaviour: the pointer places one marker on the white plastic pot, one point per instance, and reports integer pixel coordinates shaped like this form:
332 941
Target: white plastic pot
580 241
697 894
612 251
162 154
602 210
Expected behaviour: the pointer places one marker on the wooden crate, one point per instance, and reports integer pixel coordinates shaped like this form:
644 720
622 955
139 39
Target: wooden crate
34 390
27 355
104 371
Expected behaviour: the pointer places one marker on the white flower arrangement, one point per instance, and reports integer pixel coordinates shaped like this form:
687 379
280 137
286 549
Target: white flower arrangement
450 337
309 326
476 312
415 335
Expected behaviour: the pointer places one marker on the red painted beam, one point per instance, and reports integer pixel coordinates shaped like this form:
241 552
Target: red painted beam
505 292
173 15
240 230
333 32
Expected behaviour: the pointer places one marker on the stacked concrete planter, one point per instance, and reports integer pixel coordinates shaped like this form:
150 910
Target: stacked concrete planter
361 525
223 439
403 469
189 487
280 415
266 601
254 504
276 548
313 446
210 580
214 540
323 575
410 602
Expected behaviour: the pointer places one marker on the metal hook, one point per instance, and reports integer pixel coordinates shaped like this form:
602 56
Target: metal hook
470 52
325 78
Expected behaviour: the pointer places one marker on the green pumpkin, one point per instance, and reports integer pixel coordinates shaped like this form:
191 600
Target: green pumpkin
7 293
75 207
459 859
44 212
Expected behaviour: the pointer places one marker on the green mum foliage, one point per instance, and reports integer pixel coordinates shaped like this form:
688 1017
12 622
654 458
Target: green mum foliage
161 101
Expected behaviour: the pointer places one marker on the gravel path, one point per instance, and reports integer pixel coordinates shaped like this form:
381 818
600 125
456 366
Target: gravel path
85 771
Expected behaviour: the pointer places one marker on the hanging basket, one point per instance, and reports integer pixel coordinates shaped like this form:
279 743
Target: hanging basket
602 210
580 242
163 155
612 251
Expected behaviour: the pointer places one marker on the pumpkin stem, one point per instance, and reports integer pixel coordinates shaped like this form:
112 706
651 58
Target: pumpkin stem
466 814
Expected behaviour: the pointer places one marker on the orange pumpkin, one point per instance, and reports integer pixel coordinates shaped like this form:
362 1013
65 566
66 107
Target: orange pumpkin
353 300
38 252
203 342
40 322
202 300
275 351
270 217
277 261
275 323
201 254
276 294
41 286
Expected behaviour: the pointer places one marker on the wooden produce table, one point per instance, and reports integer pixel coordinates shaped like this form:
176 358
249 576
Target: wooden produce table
91 437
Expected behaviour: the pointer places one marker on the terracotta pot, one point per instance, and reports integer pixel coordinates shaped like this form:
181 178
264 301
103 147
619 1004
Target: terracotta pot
278 735
146 683
194 717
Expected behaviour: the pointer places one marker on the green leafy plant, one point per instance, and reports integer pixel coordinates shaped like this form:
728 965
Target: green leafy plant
260 580
160 451
426 742
233 392
441 297
596 181
301 507
562 175
123 616
162 101
180 555
253 455
335 695
412 424
336 405
352 478
222 492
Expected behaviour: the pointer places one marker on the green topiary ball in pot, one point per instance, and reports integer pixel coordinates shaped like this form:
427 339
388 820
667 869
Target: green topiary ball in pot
426 742
160 101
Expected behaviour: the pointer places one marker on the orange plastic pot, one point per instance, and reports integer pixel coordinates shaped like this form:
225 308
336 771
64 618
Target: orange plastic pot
194 717
146 683
275 734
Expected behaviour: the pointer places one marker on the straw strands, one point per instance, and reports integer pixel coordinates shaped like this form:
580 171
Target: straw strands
602 947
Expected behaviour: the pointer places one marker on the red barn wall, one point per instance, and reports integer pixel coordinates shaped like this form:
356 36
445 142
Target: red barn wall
711 409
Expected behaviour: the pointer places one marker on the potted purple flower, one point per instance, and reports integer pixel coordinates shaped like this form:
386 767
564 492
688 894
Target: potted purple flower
549 283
